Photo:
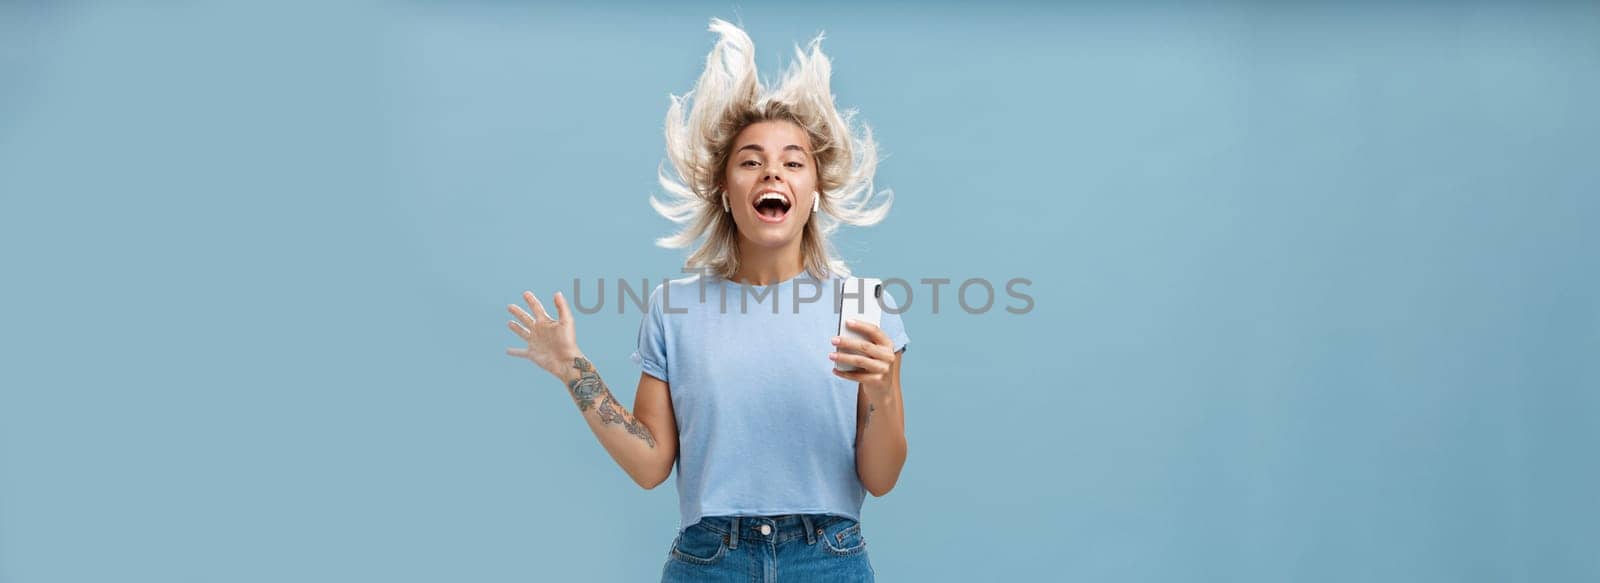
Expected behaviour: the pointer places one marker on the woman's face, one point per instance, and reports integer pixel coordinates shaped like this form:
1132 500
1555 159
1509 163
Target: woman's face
771 158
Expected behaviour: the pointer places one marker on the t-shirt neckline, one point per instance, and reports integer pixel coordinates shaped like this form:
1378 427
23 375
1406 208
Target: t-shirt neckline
804 274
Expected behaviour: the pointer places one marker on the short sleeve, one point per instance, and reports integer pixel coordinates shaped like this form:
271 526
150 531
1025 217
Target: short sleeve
891 324
651 354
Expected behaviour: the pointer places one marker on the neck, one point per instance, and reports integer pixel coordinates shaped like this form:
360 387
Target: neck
766 266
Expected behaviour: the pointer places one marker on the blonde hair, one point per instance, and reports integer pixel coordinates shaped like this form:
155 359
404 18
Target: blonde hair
727 98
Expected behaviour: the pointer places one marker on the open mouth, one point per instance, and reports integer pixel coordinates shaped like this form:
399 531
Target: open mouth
772 206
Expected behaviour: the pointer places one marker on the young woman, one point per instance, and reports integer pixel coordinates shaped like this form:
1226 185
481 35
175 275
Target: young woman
775 446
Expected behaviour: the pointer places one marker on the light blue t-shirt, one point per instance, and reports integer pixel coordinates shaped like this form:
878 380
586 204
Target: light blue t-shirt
764 427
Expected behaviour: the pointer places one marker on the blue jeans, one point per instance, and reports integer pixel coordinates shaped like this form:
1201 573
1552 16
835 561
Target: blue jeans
746 549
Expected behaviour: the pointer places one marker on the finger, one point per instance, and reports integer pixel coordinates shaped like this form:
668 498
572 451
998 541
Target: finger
871 365
561 308
857 376
871 331
519 352
860 346
519 330
522 316
538 308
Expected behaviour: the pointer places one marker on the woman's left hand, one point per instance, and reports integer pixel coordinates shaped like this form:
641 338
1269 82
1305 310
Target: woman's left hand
873 358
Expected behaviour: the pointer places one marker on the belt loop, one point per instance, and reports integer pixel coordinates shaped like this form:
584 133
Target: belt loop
805 522
733 536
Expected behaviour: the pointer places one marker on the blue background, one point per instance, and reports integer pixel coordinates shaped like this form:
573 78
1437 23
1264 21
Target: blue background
1316 286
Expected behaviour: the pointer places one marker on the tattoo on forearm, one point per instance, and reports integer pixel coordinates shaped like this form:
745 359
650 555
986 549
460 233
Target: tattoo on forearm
588 388
609 413
868 421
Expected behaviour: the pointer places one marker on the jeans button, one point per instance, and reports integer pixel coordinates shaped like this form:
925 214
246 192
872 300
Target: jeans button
766 530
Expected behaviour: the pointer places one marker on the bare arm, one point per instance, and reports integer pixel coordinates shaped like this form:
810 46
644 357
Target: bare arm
880 412
646 445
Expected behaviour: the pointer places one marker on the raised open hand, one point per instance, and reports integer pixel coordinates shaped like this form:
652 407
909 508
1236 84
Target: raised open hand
552 343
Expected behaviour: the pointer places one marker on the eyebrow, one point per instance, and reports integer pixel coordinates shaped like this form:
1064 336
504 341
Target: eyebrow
758 148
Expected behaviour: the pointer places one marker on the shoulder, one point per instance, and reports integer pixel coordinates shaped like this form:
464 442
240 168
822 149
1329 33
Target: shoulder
672 295
678 287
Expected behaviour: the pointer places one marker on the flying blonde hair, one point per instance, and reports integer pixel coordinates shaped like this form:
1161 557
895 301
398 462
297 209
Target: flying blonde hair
727 98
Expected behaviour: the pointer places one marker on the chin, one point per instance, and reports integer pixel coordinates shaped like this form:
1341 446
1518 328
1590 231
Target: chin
772 240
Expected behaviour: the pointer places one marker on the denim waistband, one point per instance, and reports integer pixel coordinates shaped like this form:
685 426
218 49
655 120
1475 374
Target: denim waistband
779 528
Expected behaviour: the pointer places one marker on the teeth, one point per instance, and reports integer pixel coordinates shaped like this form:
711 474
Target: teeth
773 196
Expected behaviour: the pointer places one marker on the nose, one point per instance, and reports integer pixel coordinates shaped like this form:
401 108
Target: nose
771 175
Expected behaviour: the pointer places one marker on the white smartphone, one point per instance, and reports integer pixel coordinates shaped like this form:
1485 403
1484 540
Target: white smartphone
859 302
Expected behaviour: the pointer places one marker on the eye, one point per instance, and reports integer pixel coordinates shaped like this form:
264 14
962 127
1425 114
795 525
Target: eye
795 165
747 163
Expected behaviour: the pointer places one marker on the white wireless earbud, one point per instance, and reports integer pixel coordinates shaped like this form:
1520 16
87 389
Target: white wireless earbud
816 201
725 207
